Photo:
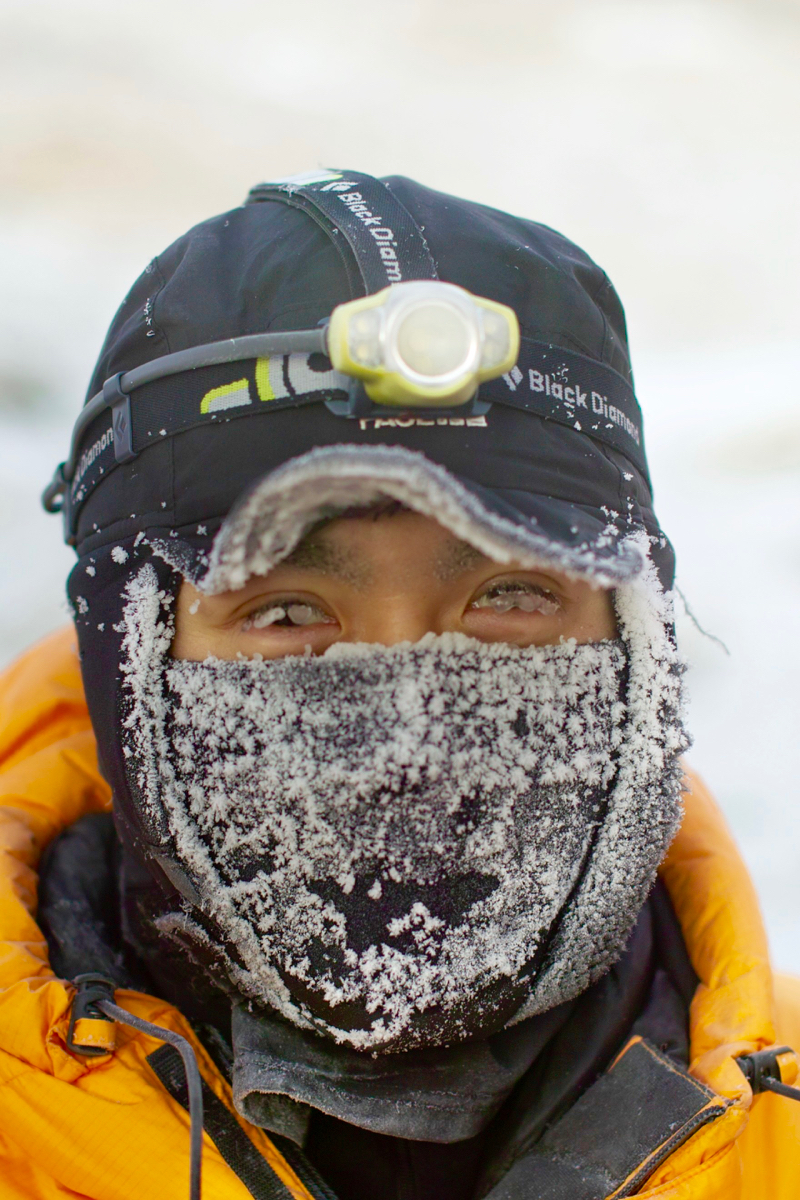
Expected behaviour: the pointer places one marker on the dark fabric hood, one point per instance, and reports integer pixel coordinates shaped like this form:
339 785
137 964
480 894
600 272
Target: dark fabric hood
266 266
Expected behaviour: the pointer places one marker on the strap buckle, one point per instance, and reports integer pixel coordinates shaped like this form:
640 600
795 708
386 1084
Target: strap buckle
120 404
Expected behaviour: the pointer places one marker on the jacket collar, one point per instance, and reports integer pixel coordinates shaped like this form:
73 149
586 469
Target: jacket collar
733 1009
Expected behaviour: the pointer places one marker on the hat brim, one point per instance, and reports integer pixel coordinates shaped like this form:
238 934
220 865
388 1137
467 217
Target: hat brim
507 525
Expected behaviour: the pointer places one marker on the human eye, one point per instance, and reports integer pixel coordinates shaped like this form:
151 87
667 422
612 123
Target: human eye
286 614
508 595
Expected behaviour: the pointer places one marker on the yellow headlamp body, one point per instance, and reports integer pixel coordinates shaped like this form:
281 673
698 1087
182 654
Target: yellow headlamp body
423 344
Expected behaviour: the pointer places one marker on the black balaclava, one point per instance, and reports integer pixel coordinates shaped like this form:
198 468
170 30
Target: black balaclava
221 499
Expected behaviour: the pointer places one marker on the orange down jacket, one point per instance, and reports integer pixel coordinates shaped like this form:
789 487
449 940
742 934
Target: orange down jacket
104 1128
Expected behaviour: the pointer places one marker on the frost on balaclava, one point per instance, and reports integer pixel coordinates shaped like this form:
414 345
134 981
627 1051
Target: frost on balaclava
409 846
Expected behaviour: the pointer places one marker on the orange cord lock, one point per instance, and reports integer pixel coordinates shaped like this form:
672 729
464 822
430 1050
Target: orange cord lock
90 1032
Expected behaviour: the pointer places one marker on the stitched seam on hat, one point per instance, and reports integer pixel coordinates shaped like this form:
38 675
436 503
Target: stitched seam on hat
156 294
172 480
156 522
604 286
420 228
352 268
627 490
624 493
555 337
623 521
287 311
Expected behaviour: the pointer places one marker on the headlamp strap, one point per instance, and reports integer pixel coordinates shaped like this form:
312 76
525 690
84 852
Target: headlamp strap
381 243
548 381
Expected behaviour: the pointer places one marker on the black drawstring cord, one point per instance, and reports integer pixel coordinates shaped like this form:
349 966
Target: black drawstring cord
782 1089
763 1072
95 995
193 1082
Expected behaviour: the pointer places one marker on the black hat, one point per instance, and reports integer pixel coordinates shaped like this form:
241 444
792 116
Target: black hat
548 461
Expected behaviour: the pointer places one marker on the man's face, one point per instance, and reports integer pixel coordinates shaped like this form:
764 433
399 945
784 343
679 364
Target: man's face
388 579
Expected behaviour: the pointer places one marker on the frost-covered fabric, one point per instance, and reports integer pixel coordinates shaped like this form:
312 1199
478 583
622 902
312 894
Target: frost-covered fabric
412 845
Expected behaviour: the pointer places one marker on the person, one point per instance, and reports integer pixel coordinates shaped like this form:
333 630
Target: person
364 791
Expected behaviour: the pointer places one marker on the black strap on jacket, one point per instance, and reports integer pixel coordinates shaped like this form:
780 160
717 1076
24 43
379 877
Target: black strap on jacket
261 1181
615 1136
385 243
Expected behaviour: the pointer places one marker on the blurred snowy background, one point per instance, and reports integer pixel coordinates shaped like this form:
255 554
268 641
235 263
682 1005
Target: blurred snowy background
661 135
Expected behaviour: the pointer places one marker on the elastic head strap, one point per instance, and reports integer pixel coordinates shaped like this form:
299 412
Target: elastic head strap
382 242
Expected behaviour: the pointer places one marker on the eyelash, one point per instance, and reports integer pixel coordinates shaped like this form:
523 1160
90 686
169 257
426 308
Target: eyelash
510 587
279 612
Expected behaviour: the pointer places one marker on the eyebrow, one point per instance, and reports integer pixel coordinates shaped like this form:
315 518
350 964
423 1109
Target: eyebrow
457 559
313 553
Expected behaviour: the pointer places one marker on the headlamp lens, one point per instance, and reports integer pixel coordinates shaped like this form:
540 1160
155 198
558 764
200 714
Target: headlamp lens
496 339
434 340
364 338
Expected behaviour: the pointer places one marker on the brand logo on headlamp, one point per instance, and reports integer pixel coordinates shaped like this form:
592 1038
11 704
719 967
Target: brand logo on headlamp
572 397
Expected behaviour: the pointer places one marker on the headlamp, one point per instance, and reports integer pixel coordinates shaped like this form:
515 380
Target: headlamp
423 344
